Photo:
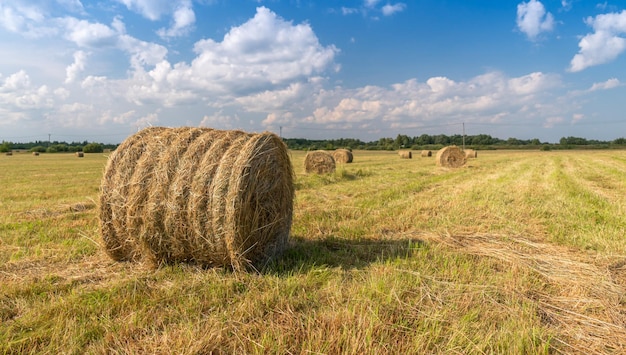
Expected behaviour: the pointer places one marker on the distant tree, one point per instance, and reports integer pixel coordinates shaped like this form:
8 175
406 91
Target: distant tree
620 141
5 147
38 149
93 148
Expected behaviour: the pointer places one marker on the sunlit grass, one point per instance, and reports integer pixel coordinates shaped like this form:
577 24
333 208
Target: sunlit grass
517 252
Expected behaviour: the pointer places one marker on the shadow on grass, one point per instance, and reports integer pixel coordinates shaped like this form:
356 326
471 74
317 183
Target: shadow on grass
303 255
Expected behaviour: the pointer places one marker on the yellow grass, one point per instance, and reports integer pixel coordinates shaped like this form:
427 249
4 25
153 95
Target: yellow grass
515 252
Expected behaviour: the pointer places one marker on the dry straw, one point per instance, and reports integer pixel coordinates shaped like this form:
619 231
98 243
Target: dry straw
405 154
343 156
450 157
216 198
426 153
471 153
319 162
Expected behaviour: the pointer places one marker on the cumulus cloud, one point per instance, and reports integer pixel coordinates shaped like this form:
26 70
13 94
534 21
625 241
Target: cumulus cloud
488 96
603 45
183 16
390 9
609 84
183 20
533 20
74 69
87 34
264 53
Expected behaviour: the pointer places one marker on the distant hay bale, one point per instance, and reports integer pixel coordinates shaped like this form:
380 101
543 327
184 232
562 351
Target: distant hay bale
212 197
319 162
405 154
426 153
9 153
36 154
343 156
450 157
80 154
471 153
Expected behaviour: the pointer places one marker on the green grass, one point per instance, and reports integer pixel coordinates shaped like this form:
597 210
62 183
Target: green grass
517 252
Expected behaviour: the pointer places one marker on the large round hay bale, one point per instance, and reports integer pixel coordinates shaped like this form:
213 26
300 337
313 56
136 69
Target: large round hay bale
80 154
343 156
9 153
471 153
36 154
216 198
319 162
405 154
450 157
426 153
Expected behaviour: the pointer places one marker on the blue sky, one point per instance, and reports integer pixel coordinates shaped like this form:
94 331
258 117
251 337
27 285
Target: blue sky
100 70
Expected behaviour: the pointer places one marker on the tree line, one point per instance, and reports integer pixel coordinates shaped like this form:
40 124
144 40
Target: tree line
431 142
424 141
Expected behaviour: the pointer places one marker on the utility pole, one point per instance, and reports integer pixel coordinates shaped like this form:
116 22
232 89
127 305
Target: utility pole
463 136
48 139
281 131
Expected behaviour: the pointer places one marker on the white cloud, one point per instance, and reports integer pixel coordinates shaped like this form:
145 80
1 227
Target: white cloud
389 9
87 34
370 3
532 19
604 44
16 81
183 17
265 53
220 119
150 9
349 10
609 84
74 69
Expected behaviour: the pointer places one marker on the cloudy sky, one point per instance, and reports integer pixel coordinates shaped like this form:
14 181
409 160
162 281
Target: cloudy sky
100 70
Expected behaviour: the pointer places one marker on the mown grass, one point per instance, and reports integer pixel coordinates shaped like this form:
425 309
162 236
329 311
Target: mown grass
517 252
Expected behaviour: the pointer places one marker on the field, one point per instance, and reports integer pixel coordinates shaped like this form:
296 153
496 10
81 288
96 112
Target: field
516 252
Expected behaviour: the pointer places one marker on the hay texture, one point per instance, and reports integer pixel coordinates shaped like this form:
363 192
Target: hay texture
450 157
212 197
426 153
405 154
319 162
343 156
471 153
80 154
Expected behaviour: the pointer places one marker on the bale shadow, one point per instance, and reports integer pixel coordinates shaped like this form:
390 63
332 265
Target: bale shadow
302 255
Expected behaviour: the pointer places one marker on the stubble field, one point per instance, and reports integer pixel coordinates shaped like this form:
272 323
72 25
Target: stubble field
516 252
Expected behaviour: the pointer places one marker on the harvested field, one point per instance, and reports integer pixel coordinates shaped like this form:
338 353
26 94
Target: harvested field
517 253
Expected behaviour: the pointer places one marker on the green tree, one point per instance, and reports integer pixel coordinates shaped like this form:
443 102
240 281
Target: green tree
5 147
93 148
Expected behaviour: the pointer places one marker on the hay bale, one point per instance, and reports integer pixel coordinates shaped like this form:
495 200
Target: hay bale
216 198
36 154
426 153
9 153
319 162
450 157
405 154
471 153
80 154
343 156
